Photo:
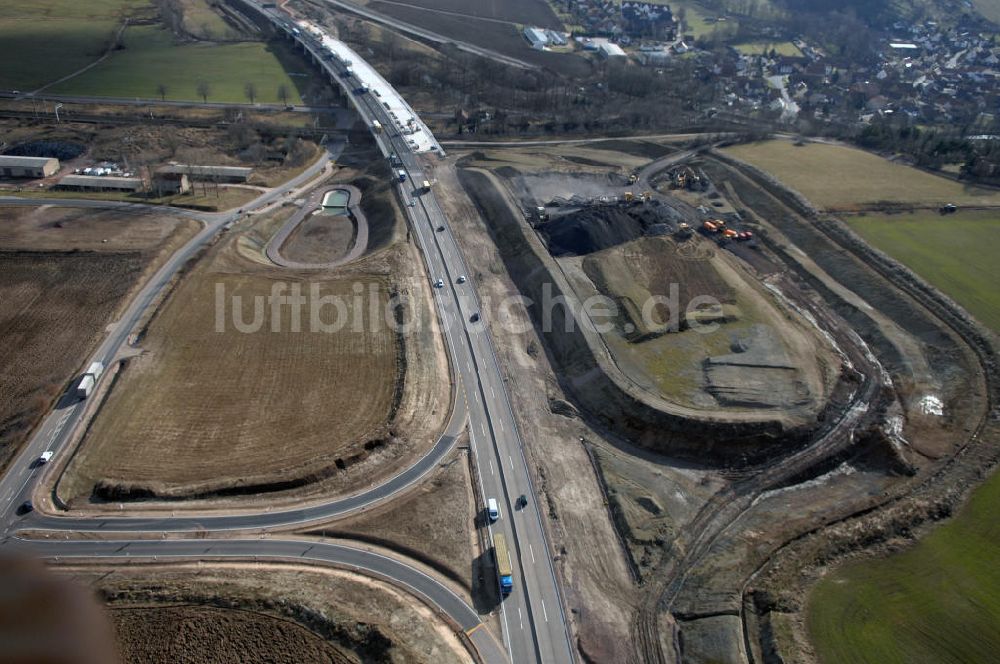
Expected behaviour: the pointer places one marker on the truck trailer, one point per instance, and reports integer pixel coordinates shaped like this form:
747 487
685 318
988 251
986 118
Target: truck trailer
505 571
89 380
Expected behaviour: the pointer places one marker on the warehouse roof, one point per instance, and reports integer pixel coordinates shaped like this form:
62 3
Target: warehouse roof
194 169
101 182
11 160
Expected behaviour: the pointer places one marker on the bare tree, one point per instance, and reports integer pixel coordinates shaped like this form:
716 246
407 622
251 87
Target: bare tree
203 90
161 90
283 94
250 90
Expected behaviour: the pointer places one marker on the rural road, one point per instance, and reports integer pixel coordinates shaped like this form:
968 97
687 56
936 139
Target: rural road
534 625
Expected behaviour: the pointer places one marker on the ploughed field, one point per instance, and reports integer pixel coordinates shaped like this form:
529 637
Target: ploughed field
206 412
203 634
52 307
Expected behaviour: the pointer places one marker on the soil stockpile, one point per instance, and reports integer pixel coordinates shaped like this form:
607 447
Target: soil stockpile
593 229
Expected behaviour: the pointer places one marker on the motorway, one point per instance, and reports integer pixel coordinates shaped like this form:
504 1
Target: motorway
534 625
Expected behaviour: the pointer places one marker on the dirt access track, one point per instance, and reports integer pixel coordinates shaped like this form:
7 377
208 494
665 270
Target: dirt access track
231 394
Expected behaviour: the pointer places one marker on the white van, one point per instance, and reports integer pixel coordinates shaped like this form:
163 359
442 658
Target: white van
492 509
46 455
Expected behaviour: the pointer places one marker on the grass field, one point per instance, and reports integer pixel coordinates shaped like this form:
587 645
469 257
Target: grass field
203 411
200 19
838 177
151 58
989 8
937 602
759 48
956 253
43 40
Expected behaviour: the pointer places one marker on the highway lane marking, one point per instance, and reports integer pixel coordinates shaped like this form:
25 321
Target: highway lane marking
532 552
482 425
519 618
493 393
491 467
501 423
544 612
511 462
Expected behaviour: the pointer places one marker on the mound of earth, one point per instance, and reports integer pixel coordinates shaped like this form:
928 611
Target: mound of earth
759 374
592 229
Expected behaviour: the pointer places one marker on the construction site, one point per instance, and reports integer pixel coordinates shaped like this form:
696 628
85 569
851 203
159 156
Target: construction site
711 452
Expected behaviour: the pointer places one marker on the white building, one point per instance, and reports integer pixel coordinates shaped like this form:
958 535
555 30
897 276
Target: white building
609 50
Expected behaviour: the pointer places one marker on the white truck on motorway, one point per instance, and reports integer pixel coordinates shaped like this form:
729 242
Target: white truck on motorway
89 379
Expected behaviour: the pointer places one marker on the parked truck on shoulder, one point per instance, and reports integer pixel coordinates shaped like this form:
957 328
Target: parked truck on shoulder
89 379
505 570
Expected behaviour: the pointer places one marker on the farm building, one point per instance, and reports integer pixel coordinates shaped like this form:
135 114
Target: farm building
100 183
28 167
537 37
170 183
210 173
608 50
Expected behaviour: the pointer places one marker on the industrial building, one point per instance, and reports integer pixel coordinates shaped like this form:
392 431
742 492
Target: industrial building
209 173
537 37
100 183
28 167
608 50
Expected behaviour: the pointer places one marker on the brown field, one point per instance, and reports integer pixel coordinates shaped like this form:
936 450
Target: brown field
528 12
840 177
60 283
505 38
203 412
204 613
174 633
321 238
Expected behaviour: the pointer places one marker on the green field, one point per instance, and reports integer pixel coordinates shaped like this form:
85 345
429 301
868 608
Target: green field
43 40
956 253
938 602
151 57
760 48
839 177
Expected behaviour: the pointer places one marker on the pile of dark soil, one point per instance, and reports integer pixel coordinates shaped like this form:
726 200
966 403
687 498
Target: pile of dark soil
593 229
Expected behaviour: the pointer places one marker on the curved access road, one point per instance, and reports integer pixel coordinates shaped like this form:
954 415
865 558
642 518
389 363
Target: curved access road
273 249
370 563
